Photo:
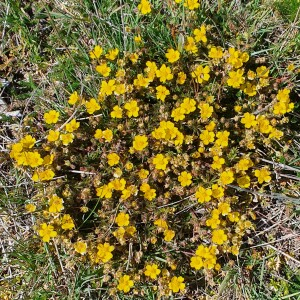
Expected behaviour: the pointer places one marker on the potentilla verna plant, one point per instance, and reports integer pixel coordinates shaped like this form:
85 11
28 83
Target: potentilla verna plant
152 179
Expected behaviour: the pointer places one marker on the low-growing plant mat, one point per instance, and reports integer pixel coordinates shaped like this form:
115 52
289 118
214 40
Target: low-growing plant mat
155 153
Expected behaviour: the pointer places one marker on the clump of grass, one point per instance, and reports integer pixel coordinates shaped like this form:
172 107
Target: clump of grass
288 8
150 177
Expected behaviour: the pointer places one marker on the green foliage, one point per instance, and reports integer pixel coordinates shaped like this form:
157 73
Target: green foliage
288 8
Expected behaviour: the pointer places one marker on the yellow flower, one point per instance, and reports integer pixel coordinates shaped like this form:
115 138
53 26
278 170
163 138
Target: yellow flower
178 114
120 89
104 252
16 150
235 250
222 138
126 193
107 88
237 58
144 7
145 187
224 208
67 222
74 97
211 126
226 177
201 74
209 263
92 106
181 77
217 162
244 181
104 191
27 142
249 89
217 191
234 216
47 232
143 174
237 108
164 73
177 284
150 194
218 236
48 159
67 138
51 117
42 175
138 39
119 234
291 67
248 120
172 55
117 184
263 175
125 284
215 53
151 70
122 219
53 136
33 159
263 124
185 178
161 223
169 235
80 247
207 137
140 142
206 252
30 207
214 221
191 46
112 54
205 110
103 69
162 92
141 81
236 78
98 134
251 75
280 108
72 126
107 134
191 4
129 166
132 108
160 162
134 57
55 204
196 262
203 195
113 159
262 72
189 105
152 271
131 230
275 134
200 34
96 52
244 164
120 73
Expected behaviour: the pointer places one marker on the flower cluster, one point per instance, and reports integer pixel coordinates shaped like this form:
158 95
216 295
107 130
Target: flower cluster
163 157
